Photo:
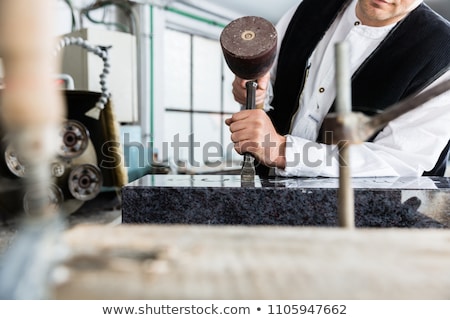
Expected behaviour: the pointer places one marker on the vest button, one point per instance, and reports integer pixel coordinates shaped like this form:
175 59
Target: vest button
357 23
322 90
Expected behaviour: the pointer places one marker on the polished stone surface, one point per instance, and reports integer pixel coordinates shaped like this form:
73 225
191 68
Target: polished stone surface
223 199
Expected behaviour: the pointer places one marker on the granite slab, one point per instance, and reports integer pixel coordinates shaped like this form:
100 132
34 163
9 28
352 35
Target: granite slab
410 202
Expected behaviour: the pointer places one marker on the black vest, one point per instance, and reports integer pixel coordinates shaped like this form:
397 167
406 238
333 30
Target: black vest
415 53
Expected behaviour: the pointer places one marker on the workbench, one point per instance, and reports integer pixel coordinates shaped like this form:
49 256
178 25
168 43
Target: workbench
107 259
238 262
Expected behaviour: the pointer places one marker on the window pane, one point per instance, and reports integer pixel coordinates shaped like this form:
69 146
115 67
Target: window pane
229 104
207 134
177 68
176 137
207 74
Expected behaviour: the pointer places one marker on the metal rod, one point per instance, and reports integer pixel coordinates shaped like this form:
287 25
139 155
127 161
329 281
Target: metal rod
359 127
346 214
346 200
343 79
379 121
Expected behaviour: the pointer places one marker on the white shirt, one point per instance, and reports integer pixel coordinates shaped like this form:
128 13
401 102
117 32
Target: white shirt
407 146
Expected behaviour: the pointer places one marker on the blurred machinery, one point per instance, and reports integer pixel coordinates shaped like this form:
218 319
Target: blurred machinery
84 68
75 172
89 153
89 158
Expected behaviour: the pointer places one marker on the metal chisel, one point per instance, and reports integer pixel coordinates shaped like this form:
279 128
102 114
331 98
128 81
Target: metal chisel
248 167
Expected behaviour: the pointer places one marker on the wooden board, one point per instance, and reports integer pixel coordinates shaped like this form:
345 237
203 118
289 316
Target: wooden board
201 262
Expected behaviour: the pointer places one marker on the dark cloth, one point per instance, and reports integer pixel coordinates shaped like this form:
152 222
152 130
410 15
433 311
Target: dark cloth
414 54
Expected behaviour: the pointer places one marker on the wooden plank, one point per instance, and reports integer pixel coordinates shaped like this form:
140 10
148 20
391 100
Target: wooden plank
217 262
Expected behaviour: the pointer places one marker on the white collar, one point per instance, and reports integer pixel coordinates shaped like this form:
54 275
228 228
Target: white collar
366 31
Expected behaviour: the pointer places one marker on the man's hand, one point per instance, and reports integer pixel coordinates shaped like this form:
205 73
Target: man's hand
253 132
240 92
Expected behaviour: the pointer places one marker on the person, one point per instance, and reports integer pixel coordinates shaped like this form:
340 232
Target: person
398 48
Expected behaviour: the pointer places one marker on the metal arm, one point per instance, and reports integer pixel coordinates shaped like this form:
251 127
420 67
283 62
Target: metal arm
357 127
345 127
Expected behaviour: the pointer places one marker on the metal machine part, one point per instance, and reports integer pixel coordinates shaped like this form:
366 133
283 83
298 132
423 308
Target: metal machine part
71 185
53 198
13 162
62 171
357 127
58 169
346 199
74 142
75 139
101 52
76 153
84 182
347 127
